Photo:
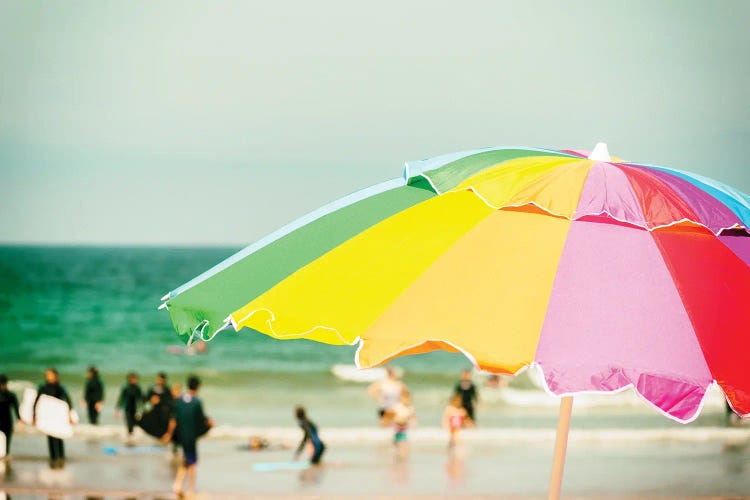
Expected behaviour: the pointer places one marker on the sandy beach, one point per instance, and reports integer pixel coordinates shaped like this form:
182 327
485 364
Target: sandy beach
494 463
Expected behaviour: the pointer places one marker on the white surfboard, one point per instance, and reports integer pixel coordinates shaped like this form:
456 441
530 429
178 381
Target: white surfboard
3 445
351 373
53 417
26 408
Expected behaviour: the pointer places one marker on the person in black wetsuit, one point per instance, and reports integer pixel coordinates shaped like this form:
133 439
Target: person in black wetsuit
93 395
159 394
176 394
8 407
130 400
52 387
189 423
155 420
468 392
310 434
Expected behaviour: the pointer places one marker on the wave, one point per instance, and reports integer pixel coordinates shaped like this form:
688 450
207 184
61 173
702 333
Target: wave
736 436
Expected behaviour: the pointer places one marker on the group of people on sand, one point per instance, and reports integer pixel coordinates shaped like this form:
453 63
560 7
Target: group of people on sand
9 407
396 410
182 412
186 421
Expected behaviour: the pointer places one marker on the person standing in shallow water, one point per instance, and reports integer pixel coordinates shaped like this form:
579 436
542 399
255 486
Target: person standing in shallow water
189 423
468 392
310 435
388 394
8 407
455 418
51 387
93 395
404 416
159 393
131 397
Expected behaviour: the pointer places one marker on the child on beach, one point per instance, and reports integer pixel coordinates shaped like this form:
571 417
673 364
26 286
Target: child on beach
404 416
455 418
388 393
310 434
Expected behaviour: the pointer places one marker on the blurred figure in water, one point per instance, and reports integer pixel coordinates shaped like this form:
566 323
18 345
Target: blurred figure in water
130 400
404 416
310 435
8 408
387 392
93 395
468 392
455 418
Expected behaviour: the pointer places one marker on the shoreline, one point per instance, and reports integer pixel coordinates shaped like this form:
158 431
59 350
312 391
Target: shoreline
733 436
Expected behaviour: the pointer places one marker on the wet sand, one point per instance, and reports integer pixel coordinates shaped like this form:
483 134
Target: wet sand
488 467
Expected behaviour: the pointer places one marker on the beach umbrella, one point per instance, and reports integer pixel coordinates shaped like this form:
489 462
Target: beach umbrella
606 274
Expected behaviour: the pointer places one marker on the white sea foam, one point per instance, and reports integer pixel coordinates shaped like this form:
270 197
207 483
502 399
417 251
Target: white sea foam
734 436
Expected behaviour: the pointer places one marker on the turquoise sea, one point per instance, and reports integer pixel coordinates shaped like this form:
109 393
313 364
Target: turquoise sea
70 307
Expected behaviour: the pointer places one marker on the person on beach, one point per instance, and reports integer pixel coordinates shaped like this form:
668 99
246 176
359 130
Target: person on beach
310 435
468 392
455 418
188 424
130 400
8 407
52 387
388 393
159 394
93 395
175 393
404 416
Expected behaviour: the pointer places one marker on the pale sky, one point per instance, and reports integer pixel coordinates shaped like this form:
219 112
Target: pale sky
216 122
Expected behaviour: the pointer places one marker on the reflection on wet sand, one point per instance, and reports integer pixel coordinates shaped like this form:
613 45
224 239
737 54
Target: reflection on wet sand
312 475
734 458
455 466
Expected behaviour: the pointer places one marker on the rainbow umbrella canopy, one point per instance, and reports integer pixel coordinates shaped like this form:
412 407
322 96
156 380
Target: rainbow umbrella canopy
604 273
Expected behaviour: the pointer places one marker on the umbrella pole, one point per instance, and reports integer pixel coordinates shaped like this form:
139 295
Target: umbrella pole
561 444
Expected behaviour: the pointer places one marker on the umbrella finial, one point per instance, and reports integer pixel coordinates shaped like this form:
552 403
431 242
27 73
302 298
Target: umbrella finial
600 152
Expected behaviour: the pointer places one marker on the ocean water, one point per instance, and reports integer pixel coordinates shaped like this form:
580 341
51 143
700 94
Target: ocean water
71 307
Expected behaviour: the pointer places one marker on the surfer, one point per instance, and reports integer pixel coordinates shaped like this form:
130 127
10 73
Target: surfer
8 407
455 418
159 393
130 401
468 392
93 395
175 391
310 434
189 423
51 387
155 421
388 393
